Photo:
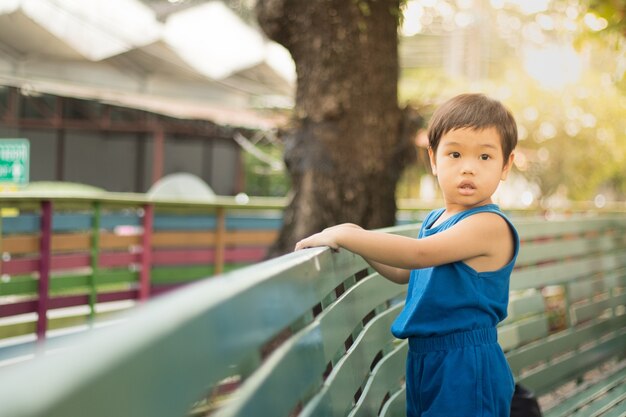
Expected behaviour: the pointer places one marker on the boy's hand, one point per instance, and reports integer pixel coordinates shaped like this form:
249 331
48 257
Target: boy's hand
327 237
352 225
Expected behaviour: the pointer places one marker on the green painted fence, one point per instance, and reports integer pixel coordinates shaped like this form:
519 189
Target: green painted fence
307 334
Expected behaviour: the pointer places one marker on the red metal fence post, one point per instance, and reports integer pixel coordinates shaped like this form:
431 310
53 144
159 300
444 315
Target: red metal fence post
95 261
45 250
146 255
220 240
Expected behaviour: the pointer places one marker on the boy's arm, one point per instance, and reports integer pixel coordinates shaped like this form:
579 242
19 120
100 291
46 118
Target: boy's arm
393 274
483 234
397 275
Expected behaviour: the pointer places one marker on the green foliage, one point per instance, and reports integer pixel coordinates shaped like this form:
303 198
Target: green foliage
572 135
571 138
260 178
419 86
409 185
614 11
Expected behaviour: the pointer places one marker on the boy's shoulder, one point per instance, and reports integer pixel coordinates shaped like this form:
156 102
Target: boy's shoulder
491 227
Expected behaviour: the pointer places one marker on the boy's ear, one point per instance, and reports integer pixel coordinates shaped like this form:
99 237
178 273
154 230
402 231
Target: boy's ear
507 166
433 165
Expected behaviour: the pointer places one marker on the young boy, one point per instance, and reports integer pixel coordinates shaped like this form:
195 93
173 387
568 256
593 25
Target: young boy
458 269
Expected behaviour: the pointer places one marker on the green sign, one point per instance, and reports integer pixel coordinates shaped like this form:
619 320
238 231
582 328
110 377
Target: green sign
14 160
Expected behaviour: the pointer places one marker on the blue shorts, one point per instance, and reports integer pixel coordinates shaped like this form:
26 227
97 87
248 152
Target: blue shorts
458 375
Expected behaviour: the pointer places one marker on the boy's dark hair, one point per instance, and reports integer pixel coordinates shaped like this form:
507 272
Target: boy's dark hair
474 111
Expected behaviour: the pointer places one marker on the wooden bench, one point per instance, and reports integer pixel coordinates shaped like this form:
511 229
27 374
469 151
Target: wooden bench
580 267
307 334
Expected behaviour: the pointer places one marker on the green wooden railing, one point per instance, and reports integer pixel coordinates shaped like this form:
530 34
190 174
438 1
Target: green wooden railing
307 334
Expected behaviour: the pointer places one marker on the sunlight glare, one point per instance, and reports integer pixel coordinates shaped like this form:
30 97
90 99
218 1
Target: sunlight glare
594 22
553 66
530 6
413 13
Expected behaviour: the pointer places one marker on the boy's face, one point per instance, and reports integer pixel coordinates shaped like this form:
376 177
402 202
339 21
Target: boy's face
469 165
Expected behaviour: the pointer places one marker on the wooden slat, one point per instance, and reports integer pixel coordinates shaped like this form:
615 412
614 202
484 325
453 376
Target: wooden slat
178 222
118 259
203 239
183 257
585 312
386 377
527 305
24 223
619 410
619 300
182 239
58 262
523 331
18 329
396 406
113 241
24 244
349 374
206 256
20 307
71 242
20 266
20 244
83 299
566 407
261 237
245 254
19 287
171 275
604 404
68 283
72 282
272 388
582 290
533 229
546 379
564 272
267 222
106 278
535 252
562 342
28 327
111 220
65 262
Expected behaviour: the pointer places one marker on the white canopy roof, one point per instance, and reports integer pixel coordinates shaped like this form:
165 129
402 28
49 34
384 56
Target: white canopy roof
202 56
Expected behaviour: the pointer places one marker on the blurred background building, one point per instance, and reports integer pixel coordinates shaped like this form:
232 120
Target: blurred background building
119 93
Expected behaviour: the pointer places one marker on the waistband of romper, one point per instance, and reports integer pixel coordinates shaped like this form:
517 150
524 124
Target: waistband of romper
484 336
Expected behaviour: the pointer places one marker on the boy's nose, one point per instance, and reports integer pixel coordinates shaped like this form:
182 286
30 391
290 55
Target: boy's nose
468 168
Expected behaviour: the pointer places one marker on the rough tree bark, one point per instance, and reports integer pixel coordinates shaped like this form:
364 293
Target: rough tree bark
349 140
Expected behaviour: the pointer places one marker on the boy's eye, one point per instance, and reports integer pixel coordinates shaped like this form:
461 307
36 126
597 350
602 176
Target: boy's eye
455 155
485 157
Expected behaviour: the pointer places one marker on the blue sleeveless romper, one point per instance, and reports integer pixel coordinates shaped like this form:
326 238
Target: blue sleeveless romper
455 367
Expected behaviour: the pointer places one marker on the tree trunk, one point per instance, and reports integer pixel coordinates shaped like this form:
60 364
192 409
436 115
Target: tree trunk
349 141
